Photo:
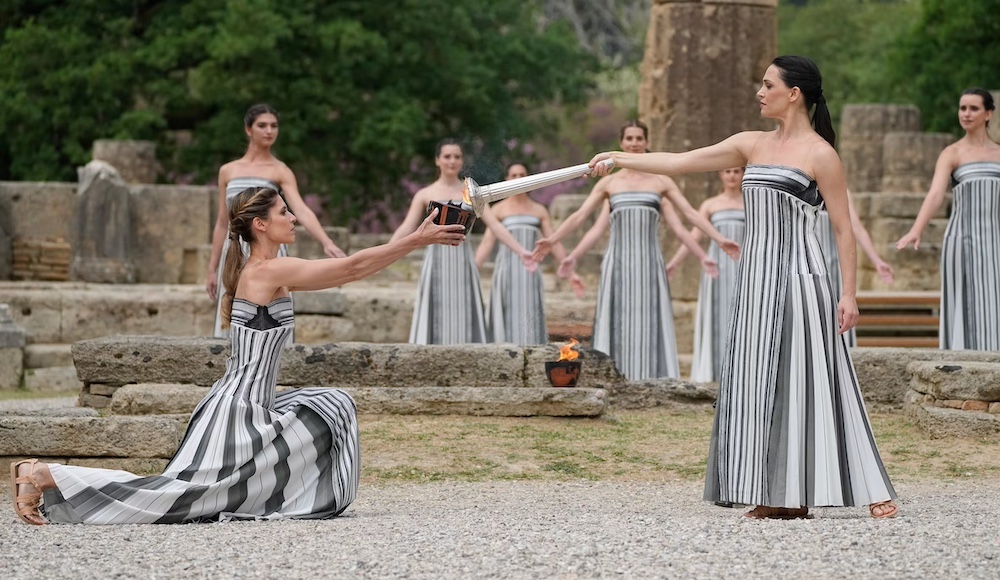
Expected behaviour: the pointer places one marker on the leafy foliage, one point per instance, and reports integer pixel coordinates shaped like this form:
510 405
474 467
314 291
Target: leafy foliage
365 88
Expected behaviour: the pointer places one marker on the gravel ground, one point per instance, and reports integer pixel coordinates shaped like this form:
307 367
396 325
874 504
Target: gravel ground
536 530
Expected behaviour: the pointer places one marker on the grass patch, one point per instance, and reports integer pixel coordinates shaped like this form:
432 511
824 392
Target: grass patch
646 445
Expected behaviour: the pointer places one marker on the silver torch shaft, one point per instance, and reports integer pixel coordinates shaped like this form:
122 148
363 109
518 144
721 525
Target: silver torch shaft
479 196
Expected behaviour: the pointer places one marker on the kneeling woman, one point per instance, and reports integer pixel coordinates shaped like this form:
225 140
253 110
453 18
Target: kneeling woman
248 452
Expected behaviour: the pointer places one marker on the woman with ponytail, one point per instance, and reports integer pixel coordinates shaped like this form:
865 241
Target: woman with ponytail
791 430
970 253
249 452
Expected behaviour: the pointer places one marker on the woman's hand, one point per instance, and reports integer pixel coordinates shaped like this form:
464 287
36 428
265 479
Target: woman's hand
332 251
528 260
710 266
576 283
212 285
567 267
885 271
542 249
847 313
601 164
731 248
910 239
428 232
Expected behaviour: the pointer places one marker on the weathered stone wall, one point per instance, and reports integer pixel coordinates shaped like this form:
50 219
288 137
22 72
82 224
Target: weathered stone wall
863 128
134 160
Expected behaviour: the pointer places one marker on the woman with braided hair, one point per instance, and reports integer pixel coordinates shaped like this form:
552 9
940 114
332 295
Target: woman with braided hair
248 452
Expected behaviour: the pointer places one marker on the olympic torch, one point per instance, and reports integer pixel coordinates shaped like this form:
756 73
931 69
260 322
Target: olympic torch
479 196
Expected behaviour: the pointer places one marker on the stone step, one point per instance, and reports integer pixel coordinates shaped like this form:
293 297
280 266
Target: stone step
40 356
883 374
60 379
956 380
942 422
119 436
153 399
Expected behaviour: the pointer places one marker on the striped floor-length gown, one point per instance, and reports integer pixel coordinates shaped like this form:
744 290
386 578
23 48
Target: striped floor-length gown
234 187
791 427
824 231
449 304
247 453
970 261
634 321
517 298
711 325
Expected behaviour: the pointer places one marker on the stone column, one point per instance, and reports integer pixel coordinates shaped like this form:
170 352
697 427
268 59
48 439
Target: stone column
134 160
103 235
12 339
908 160
860 140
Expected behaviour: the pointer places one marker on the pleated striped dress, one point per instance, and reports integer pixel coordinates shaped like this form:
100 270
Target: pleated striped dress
449 305
791 427
634 320
970 261
711 324
248 452
517 303
234 188
824 231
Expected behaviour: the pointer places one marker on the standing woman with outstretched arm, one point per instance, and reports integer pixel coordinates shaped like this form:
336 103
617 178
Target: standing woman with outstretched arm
970 254
791 430
257 168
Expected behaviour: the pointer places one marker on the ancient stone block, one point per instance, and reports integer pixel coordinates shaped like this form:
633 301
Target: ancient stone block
598 370
975 406
156 399
38 356
103 390
38 209
908 159
194 263
135 437
328 302
52 380
660 392
860 140
134 160
883 374
40 259
103 235
994 408
494 401
942 422
11 368
956 380
165 218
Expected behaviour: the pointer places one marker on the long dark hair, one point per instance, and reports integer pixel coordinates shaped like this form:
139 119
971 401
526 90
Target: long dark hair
252 202
799 71
983 94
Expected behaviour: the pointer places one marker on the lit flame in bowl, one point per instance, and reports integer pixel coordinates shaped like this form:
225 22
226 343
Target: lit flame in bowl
465 194
566 352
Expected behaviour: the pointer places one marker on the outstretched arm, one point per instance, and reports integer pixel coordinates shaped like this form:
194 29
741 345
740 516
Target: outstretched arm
732 152
865 241
305 216
567 265
932 203
571 223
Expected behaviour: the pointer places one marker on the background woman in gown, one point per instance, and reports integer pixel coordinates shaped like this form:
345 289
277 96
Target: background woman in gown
516 312
257 168
449 304
791 430
725 212
970 254
248 451
634 321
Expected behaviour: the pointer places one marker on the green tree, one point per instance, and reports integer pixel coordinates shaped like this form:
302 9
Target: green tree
954 45
365 88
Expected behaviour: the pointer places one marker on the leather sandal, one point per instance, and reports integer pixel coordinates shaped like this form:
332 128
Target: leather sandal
887 509
26 505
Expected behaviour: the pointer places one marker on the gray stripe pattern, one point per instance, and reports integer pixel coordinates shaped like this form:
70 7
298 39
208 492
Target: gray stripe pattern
824 231
517 304
791 427
449 305
233 188
247 453
634 321
711 323
970 261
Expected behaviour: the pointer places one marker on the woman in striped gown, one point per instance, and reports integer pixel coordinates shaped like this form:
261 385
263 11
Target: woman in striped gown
828 240
248 452
516 311
970 254
791 430
257 168
449 304
711 322
634 320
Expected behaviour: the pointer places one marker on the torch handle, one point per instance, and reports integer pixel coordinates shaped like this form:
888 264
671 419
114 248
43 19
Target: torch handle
482 195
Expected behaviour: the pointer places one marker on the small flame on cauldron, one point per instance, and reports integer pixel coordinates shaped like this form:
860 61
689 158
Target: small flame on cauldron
465 194
566 352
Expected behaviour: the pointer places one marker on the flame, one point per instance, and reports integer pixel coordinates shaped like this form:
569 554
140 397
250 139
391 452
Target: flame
567 353
465 194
